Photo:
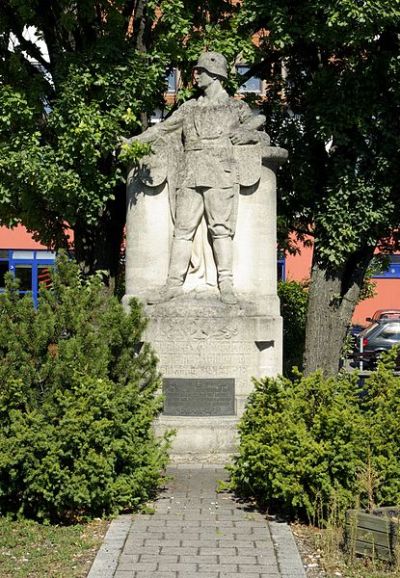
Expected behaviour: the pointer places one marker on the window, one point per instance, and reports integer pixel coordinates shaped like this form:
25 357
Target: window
24 274
393 269
3 270
253 84
30 267
281 268
172 81
391 331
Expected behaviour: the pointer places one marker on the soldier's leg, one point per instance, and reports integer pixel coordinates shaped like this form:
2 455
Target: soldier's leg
189 210
220 206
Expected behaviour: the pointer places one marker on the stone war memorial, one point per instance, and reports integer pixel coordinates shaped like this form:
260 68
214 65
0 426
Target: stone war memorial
201 257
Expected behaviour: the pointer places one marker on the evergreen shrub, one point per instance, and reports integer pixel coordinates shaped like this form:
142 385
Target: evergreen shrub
78 395
317 443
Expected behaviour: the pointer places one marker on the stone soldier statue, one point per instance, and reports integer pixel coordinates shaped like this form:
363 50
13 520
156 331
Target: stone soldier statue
209 128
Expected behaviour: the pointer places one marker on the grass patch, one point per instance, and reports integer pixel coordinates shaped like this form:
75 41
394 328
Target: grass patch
32 550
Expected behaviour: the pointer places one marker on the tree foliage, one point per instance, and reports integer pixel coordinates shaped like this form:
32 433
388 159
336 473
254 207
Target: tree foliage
78 397
333 72
92 71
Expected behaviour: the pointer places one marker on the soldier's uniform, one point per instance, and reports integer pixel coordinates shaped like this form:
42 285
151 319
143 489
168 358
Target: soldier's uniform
209 182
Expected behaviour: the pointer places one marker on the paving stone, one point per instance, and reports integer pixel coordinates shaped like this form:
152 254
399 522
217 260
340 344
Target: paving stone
200 542
232 568
186 524
201 575
219 524
168 558
180 551
215 551
199 559
179 567
246 568
127 566
165 543
197 533
228 543
229 575
155 574
146 550
238 559
147 566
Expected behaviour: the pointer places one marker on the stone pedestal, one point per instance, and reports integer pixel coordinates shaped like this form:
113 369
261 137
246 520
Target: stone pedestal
217 349
208 351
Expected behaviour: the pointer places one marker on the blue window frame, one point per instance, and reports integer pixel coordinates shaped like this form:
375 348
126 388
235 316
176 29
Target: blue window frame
281 269
393 269
30 267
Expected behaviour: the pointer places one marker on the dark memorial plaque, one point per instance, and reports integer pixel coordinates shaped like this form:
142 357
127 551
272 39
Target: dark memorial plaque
199 397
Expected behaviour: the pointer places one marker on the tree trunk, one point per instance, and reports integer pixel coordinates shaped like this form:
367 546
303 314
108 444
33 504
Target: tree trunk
98 247
333 296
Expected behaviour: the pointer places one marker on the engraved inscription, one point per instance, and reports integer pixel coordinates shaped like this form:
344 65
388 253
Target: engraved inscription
200 359
200 331
199 397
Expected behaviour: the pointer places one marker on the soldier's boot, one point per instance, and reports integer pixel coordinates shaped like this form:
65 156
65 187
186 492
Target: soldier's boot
179 263
223 252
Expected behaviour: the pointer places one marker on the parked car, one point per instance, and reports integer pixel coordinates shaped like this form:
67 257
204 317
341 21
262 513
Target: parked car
384 314
378 337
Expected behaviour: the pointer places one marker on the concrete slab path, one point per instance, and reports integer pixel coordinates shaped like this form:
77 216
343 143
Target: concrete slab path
196 532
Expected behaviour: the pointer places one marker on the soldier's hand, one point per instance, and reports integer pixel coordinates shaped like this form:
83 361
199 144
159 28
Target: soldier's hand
243 137
121 140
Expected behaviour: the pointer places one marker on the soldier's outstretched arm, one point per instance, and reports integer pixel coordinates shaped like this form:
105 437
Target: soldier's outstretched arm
171 124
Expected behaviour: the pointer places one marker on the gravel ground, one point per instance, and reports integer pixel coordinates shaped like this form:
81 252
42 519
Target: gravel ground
306 539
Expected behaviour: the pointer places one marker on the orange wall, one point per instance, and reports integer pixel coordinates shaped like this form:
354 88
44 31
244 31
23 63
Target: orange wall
298 266
387 297
17 238
387 291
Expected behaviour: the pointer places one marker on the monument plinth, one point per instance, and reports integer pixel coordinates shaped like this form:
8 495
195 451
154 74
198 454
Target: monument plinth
201 255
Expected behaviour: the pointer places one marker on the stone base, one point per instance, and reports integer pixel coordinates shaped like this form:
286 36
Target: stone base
209 352
200 439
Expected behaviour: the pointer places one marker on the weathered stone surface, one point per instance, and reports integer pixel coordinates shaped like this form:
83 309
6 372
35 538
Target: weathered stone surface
219 319
213 341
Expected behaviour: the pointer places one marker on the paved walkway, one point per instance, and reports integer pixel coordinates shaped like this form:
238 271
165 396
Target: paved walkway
196 532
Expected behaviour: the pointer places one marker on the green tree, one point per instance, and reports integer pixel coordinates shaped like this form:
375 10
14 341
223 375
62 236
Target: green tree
93 70
333 89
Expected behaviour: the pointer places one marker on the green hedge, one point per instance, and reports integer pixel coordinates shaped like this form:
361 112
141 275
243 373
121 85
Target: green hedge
78 396
316 443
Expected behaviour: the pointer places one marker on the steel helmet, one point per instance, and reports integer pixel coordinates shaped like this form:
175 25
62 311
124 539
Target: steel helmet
213 63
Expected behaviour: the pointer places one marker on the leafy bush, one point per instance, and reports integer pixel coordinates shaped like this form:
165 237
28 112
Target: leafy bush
78 396
294 300
312 442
